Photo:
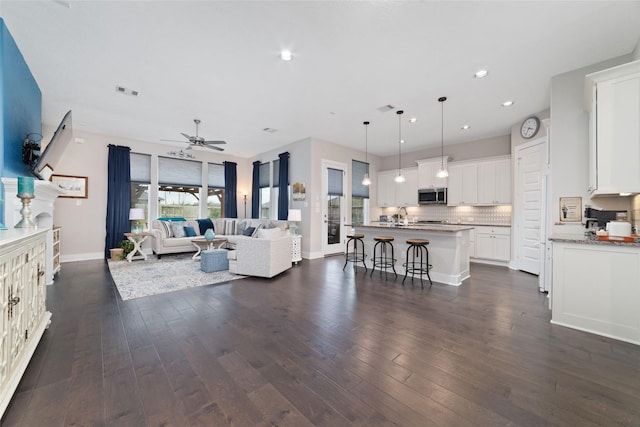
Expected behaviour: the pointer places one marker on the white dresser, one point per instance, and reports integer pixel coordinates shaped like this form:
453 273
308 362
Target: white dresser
24 316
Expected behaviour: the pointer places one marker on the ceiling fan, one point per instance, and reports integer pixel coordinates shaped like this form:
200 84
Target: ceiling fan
198 141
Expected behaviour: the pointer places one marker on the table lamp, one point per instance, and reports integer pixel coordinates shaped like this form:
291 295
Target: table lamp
295 216
136 215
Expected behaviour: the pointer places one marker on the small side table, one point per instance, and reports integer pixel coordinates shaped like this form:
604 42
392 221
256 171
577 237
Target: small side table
296 249
137 239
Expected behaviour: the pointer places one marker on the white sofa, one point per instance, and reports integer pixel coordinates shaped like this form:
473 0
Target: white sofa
261 256
231 229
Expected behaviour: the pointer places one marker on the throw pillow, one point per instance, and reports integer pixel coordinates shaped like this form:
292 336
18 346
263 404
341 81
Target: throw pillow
269 233
248 231
229 227
166 229
241 226
177 227
190 231
255 232
204 225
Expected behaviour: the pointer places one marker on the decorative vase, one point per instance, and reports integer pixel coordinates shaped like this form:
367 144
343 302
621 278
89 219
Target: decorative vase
209 234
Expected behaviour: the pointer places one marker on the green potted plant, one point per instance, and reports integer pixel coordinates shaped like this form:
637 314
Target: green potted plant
127 246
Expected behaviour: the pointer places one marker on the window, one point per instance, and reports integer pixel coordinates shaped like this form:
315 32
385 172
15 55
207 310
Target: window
265 191
179 183
140 169
359 193
215 190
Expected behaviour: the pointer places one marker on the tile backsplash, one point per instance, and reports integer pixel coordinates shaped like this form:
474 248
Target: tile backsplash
490 215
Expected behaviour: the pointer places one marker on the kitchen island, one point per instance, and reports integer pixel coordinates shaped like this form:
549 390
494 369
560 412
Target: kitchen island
448 247
596 286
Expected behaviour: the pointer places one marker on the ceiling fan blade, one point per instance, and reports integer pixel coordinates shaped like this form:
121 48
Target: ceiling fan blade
173 140
186 136
215 142
213 148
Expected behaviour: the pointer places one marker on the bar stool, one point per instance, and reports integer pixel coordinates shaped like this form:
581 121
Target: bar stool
354 256
380 256
417 260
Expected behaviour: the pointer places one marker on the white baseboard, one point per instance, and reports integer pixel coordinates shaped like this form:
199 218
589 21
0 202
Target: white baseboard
81 257
312 255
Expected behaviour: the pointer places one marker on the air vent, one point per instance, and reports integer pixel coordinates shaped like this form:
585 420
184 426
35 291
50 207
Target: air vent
386 108
270 130
124 90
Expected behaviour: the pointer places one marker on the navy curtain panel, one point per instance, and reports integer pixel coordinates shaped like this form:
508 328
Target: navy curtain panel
118 196
283 186
255 191
230 190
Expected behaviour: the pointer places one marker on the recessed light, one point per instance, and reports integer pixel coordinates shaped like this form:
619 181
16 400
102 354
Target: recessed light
507 103
286 55
413 120
480 74
466 127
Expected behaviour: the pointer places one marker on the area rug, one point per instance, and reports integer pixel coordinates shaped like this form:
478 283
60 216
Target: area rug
155 276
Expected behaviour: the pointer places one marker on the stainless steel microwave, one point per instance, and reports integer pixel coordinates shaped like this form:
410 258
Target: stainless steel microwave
432 196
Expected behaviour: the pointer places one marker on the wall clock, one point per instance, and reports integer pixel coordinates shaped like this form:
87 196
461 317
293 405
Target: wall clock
530 127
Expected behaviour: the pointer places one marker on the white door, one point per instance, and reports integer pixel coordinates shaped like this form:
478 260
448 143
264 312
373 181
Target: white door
531 159
333 207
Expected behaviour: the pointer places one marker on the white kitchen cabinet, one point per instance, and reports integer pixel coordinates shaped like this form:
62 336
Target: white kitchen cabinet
463 184
24 316
427 170
615 136
494 181
493 243
407 192
595 289
391 193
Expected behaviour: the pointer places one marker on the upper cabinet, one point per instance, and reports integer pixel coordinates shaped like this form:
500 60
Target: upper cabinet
391 193
612 97
427 170
494 182
480 182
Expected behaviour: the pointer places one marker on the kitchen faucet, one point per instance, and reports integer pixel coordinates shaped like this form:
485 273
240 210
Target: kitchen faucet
406 214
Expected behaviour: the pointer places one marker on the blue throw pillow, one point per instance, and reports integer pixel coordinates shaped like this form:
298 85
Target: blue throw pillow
190 231
248 231
204 225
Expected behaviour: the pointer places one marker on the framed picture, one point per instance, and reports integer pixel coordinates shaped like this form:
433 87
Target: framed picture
299 191
74 187
570 209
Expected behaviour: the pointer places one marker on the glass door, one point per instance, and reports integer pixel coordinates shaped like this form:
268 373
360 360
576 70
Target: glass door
333 209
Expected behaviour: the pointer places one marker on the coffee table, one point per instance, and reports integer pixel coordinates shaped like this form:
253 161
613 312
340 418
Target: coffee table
203 244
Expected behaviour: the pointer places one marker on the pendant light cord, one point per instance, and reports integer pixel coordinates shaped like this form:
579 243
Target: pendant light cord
399 113
442 100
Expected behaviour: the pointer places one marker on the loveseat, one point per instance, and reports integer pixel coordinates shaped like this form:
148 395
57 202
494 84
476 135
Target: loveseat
171 237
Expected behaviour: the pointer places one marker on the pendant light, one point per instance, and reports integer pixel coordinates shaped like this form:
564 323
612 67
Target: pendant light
366 180
442 172
400 177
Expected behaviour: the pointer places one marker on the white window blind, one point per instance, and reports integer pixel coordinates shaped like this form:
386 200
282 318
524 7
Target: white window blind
358 171
140 165
215 175
179 172
264 175
335 182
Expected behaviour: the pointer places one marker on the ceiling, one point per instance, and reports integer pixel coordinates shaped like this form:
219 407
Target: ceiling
219 62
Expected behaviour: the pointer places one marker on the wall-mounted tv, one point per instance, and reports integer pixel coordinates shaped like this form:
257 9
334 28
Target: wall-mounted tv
44 166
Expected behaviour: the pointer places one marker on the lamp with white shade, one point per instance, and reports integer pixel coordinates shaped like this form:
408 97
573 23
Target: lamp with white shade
295 216
136 215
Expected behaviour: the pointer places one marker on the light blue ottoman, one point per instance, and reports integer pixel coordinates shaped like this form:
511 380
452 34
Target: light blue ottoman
214 260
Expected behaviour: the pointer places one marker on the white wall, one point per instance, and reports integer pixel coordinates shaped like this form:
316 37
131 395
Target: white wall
83 220
569 143
490 147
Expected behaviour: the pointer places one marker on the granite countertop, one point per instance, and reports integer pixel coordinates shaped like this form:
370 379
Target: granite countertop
421 227
581 238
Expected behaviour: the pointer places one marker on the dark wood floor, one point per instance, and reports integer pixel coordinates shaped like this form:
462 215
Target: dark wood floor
316 346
